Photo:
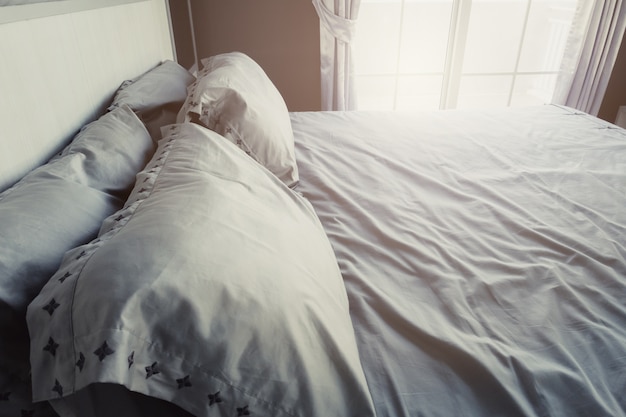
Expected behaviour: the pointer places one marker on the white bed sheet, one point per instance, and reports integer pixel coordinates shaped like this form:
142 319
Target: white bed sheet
484 254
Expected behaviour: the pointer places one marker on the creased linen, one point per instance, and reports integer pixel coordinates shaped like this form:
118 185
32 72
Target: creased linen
484 254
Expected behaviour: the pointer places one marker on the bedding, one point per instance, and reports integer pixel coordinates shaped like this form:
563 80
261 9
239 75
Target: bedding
358 263
483 252
234 97
215 288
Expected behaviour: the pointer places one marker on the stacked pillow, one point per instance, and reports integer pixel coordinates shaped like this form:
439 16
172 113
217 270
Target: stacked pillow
235 98
61 205
56 207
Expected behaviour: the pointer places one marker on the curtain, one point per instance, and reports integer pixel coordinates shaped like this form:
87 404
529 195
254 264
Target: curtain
591 53
337 29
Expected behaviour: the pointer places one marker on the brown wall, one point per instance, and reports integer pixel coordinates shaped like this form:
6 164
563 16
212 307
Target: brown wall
182 32
281 35
616 91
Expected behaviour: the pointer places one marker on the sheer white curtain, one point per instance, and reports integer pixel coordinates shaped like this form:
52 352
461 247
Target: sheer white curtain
337 30
591 53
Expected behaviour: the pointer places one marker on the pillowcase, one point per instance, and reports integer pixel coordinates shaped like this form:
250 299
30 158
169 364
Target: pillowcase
115 148
166 83
214 288
234 97
56 207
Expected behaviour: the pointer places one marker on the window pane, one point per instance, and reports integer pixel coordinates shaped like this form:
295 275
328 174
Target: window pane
425 30
375 92
419 92
378 34
484 91
533 89
508 45
546 34
494 35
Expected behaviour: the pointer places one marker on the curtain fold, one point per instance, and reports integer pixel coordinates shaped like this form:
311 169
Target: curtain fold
592 49
337 30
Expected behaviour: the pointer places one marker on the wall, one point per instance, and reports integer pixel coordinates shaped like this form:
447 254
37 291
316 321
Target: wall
182 32
615 95
281 35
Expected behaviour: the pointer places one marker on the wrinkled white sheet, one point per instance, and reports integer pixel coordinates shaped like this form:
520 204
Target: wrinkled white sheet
484 254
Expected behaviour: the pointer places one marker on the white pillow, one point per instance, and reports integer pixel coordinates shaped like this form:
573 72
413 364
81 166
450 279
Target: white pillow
234 97
164 84
215 288
62 203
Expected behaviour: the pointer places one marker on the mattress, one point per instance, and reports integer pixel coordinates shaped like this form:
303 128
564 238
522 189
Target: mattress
483 253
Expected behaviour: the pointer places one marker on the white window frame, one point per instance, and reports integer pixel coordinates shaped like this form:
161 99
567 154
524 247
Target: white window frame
453 68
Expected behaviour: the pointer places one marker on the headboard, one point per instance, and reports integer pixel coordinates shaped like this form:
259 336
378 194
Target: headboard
61 62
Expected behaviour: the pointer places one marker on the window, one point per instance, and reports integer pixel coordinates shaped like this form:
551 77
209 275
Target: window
430 54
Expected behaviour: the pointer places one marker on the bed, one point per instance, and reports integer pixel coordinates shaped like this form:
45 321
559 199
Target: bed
178 243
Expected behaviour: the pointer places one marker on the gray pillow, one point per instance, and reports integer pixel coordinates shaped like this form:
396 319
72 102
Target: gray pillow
58 206
166 83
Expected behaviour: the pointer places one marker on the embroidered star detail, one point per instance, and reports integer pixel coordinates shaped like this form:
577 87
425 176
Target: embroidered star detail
83 253
58 388
103 351
118 218
183 382
214 398
51 347
4 396
80 363
243 411
131 359
51 306
64 277
152 370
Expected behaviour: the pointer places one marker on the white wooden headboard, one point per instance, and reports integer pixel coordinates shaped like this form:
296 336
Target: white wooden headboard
60 64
